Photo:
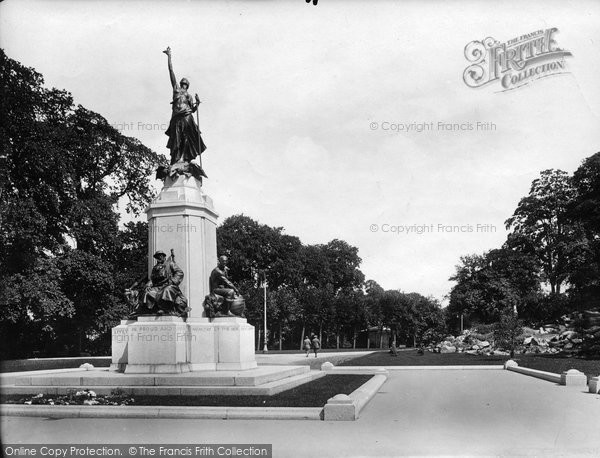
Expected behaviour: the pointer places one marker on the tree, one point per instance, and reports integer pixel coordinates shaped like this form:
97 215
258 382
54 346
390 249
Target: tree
344 265
373 305
495 283
541 227
132 260
507 331
64 169
252 247
88 282
353 311
586 211
32 304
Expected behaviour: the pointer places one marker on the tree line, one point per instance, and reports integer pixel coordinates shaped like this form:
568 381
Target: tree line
317 289
64 170
549 264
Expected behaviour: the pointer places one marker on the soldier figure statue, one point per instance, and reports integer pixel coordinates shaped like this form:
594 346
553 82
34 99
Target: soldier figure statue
161 295
224 299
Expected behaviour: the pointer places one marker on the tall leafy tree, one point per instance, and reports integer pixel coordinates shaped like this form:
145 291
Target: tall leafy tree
344 264
540 226
586 210
253 247
64 169
495 283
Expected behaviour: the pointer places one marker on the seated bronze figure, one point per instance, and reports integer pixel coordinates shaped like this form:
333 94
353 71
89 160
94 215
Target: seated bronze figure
224 298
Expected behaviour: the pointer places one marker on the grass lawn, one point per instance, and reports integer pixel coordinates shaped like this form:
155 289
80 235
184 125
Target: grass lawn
559 364
412 358
44 364
549 363
311 394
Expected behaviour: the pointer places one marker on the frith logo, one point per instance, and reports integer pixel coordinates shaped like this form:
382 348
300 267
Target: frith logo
516 62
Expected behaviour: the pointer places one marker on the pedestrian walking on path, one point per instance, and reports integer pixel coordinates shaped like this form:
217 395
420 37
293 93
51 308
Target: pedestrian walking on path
307 345
316 344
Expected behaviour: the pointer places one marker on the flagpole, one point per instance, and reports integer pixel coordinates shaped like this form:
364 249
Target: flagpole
199 138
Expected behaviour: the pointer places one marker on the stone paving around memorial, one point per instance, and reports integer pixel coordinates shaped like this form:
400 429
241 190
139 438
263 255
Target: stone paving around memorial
420 412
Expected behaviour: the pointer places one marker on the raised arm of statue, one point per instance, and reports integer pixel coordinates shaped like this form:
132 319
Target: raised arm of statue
171 73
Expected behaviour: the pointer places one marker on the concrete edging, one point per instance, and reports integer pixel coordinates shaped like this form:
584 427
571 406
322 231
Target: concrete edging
344 407
221 413
384 369
572 377
493 367
548 376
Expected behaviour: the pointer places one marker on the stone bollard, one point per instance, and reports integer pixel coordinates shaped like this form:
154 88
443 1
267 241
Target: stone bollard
339 408
594 386
510 363
573 377
326 366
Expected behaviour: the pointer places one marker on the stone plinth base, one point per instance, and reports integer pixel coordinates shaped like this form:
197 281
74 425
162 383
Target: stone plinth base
171 345
157 345
261 381
202 344
235 344
120 341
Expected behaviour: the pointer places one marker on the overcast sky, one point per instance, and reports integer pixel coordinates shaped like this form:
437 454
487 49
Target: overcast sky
295 101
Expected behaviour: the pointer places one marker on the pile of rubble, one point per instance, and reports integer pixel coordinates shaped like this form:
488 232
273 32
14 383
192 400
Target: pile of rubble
468 342
591 332
577 333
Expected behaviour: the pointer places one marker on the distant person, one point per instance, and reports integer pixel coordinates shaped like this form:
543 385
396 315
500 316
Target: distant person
306 345
316 345
393 349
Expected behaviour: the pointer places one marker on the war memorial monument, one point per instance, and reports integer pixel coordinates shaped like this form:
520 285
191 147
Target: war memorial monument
186 332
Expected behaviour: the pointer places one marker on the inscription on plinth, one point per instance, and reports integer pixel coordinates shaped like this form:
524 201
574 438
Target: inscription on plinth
164 344
157 345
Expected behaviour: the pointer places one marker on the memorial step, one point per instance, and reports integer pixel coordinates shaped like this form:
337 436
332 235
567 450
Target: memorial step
264 380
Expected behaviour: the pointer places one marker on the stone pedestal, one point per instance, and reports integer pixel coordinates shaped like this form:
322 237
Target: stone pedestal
235 344
183 218
120 340
202 344
171 345
157 344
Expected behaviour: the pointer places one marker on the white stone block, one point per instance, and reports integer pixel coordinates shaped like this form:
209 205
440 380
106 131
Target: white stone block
202 344
235 344
157 344
327 366
120 338
510 363
594 386
573 377
340 408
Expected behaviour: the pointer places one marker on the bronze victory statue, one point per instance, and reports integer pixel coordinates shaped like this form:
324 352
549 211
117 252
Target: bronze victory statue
185 141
